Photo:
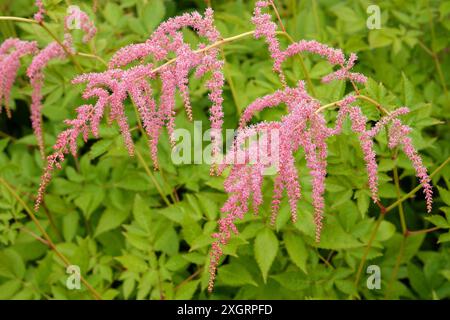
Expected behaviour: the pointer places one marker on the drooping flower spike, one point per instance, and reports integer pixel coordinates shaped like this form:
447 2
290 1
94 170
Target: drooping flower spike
35 72
115 85
167 38
39 15
54 51
265 27
303 127
11 51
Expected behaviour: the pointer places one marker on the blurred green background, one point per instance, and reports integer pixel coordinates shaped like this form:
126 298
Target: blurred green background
106 216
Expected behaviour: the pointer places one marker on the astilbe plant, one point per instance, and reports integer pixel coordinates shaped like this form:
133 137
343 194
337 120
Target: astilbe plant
112 87
303 127
130 74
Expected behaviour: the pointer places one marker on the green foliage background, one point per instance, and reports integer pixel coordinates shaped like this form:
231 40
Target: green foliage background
105 214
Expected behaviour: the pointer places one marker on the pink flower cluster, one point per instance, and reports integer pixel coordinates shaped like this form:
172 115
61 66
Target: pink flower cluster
39 15
11 50
303 127
35 72
115 85
264 27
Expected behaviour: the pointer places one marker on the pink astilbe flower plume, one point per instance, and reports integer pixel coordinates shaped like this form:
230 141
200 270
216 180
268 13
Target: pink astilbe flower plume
35 72
11 51
266 28
51 52
115 85
167 39
246 175
398 136
304 127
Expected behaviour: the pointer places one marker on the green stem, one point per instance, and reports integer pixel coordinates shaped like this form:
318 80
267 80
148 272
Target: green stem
404 231
144 134
400 207
51 244
369 245
152 177
359 96
316 18
423 231
5 135
18 19
51 34
67 51
398 262
230 82
92 56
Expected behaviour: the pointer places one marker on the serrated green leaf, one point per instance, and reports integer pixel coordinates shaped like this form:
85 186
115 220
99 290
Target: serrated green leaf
266 248
234 275
296 249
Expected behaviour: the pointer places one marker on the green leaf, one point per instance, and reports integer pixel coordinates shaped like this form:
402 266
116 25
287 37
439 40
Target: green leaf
132 263
418 281
408 91
362 201
70 225
266 247
438 221
186 291
379 38
135 181
142 213
346 286
128 287
445 237
153 14
109 220
112 12
90 199
333 235
9 289
99 148
296 249
11 264
445 195
292 281
167 241
234 275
